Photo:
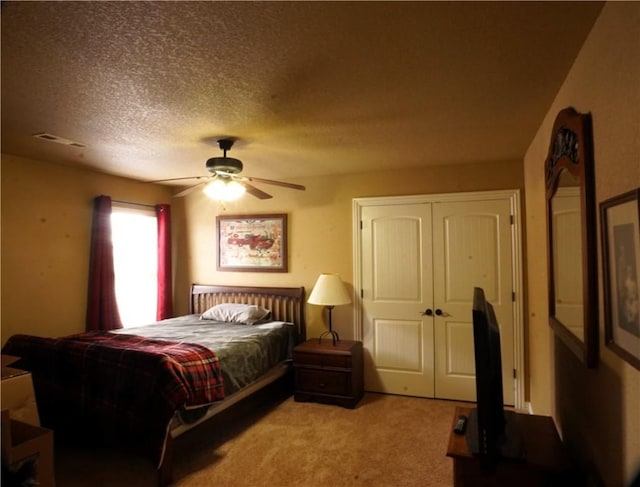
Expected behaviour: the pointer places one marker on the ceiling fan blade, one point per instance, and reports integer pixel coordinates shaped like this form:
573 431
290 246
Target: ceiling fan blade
277 183
190 189
253 191
178 179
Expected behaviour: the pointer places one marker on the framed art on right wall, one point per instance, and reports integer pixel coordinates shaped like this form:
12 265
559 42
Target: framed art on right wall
620 225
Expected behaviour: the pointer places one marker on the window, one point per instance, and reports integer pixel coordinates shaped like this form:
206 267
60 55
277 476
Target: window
134 232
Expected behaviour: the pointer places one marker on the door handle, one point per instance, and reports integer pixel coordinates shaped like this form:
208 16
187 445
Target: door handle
439 312
427 312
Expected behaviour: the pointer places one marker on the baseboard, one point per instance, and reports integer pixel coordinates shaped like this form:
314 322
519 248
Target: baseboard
525 409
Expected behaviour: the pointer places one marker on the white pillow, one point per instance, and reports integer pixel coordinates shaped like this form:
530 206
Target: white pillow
247 314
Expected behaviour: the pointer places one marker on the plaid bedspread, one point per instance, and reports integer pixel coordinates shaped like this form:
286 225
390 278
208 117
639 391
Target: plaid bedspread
117 387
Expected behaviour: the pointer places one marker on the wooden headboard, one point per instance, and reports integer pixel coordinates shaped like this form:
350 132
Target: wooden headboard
285 303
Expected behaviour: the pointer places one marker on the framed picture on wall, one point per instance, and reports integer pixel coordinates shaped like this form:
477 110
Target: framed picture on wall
252 243
620 224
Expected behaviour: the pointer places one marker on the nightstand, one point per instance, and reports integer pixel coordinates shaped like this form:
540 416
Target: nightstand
329 373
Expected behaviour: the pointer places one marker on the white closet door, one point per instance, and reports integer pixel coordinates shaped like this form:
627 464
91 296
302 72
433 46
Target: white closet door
427 257
471 247
396 289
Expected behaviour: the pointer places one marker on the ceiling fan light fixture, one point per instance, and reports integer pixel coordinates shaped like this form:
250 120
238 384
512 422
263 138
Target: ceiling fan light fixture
224 164
222 190
225 173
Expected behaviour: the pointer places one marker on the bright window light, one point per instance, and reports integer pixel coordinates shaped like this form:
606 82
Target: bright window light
134 234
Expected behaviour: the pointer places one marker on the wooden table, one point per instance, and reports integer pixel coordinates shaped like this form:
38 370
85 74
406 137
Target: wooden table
545 461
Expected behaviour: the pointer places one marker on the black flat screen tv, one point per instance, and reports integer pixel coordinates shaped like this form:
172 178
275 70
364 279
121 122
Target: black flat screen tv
492 432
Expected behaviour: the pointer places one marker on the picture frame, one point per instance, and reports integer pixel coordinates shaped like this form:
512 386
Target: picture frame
252 243
620 228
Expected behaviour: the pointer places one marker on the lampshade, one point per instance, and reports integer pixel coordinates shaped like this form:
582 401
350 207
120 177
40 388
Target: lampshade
329 290
223 190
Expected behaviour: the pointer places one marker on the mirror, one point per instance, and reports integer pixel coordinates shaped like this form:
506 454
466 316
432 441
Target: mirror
566 224
571 225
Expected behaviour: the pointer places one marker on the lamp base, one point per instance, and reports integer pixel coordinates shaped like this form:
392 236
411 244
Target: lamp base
334 336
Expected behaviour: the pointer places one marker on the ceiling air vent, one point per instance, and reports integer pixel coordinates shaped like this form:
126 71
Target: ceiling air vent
58 140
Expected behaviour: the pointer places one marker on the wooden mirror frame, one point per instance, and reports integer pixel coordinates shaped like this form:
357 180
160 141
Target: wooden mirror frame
571 149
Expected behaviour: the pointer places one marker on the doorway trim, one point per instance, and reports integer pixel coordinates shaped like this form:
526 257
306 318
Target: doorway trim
516 242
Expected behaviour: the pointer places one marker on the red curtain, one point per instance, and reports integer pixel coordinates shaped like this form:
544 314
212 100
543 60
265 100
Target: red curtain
102 308
165 293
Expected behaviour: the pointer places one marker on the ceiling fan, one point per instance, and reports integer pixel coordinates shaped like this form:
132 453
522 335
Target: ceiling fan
225 181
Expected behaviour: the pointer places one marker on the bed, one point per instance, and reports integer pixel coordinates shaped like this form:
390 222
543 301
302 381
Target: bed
145 386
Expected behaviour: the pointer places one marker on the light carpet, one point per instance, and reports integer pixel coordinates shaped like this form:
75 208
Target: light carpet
386 440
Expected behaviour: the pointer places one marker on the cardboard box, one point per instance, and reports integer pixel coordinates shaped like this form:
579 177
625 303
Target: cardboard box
17 394
22 441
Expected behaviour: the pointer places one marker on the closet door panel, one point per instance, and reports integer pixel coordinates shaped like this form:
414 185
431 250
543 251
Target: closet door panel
472 247
397 288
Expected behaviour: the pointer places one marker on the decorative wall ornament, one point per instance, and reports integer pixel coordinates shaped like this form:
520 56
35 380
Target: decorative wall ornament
252 243
565 144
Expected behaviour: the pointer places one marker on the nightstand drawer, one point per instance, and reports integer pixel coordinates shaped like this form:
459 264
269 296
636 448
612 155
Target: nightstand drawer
323 381
322 360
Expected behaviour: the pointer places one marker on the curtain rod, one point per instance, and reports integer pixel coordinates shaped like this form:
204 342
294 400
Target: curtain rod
132 203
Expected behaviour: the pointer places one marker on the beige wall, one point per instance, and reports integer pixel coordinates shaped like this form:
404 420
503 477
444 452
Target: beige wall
46 229
320 227
597 409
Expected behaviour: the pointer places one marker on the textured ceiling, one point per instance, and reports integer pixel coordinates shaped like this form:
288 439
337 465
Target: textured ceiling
308 88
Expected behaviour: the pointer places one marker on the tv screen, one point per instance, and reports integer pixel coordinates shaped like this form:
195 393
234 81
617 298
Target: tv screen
492 432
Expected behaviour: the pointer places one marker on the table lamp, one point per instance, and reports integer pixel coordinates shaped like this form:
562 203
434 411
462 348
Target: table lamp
329 291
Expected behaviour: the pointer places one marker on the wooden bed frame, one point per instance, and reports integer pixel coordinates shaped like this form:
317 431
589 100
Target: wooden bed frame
285 304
